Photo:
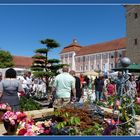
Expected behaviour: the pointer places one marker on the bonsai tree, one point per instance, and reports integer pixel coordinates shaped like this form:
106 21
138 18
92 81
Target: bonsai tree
44 67
6 59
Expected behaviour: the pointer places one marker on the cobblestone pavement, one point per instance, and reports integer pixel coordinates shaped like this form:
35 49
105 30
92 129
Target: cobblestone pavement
2 129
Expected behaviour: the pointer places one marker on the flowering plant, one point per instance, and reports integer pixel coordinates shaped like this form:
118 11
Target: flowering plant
138 100
21 93
112 122
5 107
13 117
28 127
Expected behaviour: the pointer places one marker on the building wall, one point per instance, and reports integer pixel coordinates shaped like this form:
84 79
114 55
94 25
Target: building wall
68 58
133 32
103 61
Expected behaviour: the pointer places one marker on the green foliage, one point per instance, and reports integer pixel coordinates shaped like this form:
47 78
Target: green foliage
43 73
42 50
28 104
111 101
97 129
69 120
136 108
101 104
6 59
36 68
50 43
74 131
39 57
44 67
72 125
123 105
53 61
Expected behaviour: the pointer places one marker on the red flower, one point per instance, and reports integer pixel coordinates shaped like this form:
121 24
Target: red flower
47 131
21 93
22 131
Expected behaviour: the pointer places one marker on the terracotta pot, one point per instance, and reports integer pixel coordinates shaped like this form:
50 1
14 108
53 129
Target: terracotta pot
11 129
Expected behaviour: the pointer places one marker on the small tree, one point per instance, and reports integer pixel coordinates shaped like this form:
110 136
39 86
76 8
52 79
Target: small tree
6 59
44 67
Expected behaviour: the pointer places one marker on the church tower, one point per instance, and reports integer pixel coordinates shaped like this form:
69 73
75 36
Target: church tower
133 32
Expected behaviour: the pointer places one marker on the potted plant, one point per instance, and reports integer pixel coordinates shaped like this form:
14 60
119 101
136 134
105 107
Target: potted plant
11 120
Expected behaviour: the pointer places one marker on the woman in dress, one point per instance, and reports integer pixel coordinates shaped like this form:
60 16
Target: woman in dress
9 88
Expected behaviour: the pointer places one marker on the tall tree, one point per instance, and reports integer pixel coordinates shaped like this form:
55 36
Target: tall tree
6 59
44 67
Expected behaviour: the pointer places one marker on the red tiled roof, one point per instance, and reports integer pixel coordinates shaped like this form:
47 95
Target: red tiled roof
74 46
71 48
22 61
103 47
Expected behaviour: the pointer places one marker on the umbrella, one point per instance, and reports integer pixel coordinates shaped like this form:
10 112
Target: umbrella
91 73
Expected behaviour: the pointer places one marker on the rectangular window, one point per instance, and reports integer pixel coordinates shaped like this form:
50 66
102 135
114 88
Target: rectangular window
81 59
78 59
87 58
86 68
98 56
92 58
135 41
81 68
70 55
66 55
104 56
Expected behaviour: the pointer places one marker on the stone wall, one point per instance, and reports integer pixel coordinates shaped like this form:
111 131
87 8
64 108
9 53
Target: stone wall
133 32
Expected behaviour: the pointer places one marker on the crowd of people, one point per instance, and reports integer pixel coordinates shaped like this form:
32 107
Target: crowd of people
69 87
12 86
66 87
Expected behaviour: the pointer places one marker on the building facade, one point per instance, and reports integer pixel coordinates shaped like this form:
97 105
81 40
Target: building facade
98 57
133 32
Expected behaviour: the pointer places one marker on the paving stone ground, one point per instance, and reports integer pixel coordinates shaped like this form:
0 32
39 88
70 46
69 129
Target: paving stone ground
2 129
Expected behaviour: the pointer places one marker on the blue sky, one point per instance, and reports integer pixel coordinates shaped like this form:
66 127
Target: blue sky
23 26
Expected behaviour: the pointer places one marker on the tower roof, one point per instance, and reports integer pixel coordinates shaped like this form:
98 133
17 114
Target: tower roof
74 46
